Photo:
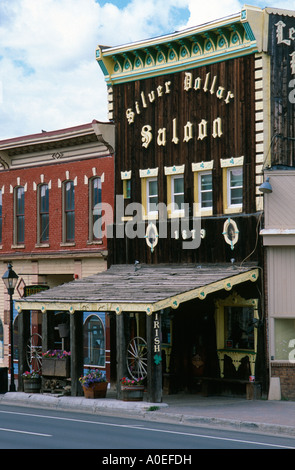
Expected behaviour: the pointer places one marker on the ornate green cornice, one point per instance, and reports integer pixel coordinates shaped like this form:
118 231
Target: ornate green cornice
220 40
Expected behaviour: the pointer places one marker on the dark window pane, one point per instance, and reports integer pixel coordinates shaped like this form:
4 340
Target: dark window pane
20 215
94 341
70 196
20 229
44 227
0 216
70 226
44 213
69 211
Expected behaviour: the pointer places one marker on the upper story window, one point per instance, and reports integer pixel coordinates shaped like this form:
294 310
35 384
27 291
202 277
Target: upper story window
152 195
232 175
149 193
95 229
1 341
126 178
43 223
175 190
177 193
235 186
127 189
203 188
69 211
0 216
19 212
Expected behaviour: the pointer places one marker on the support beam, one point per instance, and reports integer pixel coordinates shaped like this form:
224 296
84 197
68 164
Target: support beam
77 362
23 338
47 331
121 321
154 378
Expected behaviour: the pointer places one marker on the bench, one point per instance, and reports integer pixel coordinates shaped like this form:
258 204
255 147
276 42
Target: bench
253 389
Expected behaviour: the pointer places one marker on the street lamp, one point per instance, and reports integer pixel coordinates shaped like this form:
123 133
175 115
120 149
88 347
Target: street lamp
10 279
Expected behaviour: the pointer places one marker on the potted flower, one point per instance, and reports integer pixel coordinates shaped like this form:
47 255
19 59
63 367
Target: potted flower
31 381
132 389
56 363
94 384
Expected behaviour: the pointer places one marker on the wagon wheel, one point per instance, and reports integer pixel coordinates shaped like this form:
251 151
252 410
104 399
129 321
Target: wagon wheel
137 358
34 352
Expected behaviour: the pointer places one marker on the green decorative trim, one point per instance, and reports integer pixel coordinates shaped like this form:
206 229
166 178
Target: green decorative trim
151 58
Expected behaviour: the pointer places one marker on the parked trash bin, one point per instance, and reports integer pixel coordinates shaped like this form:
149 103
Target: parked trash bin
3 379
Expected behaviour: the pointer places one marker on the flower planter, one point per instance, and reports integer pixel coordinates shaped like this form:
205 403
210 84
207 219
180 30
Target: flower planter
54 367
96 390
32 385
132 392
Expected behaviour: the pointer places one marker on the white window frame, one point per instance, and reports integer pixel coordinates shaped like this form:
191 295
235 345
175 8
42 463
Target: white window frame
230 188
173 194
200 169
150 174
148 196
227 165
207 208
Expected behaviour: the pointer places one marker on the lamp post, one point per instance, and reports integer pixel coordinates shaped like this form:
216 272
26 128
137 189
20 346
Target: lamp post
10 279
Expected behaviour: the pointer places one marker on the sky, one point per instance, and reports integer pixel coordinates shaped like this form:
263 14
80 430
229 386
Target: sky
49 78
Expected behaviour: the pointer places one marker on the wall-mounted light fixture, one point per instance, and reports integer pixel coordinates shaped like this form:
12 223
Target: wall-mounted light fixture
265 187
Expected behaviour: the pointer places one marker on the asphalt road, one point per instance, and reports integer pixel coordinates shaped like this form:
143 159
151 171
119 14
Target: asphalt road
28 428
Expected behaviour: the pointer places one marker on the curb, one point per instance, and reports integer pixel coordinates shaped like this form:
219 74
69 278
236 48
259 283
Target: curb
75 403
142 410
238 425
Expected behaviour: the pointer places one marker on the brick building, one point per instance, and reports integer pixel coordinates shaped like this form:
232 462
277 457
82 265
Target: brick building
51 186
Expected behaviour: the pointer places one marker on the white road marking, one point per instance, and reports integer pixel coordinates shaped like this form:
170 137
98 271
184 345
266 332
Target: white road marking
25 432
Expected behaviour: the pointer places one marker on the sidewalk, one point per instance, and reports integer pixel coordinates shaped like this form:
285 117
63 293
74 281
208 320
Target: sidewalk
270 417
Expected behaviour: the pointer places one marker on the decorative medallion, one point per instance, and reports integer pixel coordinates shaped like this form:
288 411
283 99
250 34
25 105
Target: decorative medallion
151 236
118 310
149 310
230 232
174 304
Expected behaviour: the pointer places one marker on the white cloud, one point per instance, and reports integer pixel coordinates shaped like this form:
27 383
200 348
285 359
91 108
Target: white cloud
201 12
49 78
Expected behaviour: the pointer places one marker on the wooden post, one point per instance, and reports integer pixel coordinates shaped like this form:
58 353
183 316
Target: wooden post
77 360
154 369
47 331
122 332
23 338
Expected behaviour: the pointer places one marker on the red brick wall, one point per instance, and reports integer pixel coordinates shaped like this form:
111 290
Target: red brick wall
53 173
286 373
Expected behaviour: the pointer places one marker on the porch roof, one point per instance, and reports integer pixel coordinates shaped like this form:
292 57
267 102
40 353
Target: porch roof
140 288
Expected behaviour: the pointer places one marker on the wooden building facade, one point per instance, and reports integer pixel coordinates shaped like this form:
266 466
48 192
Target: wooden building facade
191 142
185 286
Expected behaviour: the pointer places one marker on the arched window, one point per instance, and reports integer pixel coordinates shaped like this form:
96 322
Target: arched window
69 211
43 205
94 341
19 211
0 217
95 229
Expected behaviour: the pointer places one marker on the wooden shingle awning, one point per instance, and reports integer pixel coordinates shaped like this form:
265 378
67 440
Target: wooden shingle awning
139 288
